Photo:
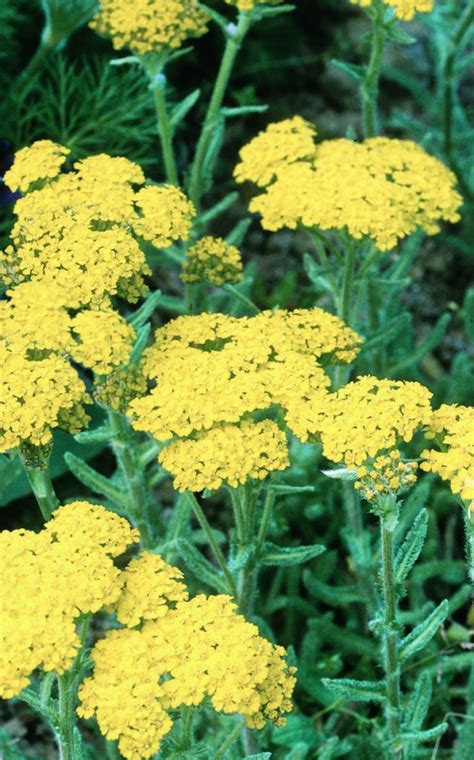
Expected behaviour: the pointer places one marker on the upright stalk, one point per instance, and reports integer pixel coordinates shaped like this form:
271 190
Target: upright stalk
234 38
42 487
370 83
389 625
469 528
158 88
122 444
66 720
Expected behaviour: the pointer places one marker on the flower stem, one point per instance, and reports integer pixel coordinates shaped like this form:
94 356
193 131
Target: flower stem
370 83
123 446
469 527
233 43
66 720
158 87
221 561
390 628
43 489
228 742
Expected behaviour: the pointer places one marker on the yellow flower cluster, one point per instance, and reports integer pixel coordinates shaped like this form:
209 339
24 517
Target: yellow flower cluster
454 426
37 396
226 454
249 5
42 161
385 474
212 370
118 389
382 188
369 416
213 260
79 229
64 571
404 9
150 26
183 651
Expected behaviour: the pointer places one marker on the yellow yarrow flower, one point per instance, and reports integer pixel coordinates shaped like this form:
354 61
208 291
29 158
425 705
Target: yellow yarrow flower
404 9
249 5
212 368
198 648
41 161
383 188
384 475
150 26
64 571
454 426
230 454
166 215
213 260
104 339
37 396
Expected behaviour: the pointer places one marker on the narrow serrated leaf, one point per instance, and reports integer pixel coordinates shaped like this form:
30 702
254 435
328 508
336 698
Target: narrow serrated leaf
361 691
288 556
98 435
230 113
199 565
340 474
351 69
424 632
180 111
94 480
419 702
411 547
144 312
237 235
424 736
143 335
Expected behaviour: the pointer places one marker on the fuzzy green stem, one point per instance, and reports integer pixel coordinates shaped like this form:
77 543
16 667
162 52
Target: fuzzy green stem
390 631
351 501
158 88
122 444
346 294
66 720
187 734
469 528
241 297
370 83
233 43
265 521
43 489
203 522
229 741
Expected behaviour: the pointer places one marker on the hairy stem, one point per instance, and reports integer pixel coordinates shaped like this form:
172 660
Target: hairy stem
390 631
43 489
203 522
123 447
370 83
234 41
66 720
469 528
158 88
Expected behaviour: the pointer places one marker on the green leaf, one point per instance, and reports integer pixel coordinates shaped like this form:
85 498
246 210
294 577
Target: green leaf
267 11
354 71
199 565
430 343
238 233
281 489
352 689
424 632
419 702
340 474
145 311
219 19
424 736
315 274
180 111
288 556
331 594
101 434
219 208
95 481
230 113
260 756
411 548
396 33
392 329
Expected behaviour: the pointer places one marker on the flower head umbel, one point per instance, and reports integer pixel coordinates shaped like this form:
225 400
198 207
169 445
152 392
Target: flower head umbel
453 427
150 26
64 571
184 651
404 9
42 161
81 229
212 260
383 188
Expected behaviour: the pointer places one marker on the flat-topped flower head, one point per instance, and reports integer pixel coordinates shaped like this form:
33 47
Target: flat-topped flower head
212 260
382 189
194 649
40 161
453 427
37 396
48 580
280 145
404 9
150 26
230 454
211 368
166 215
